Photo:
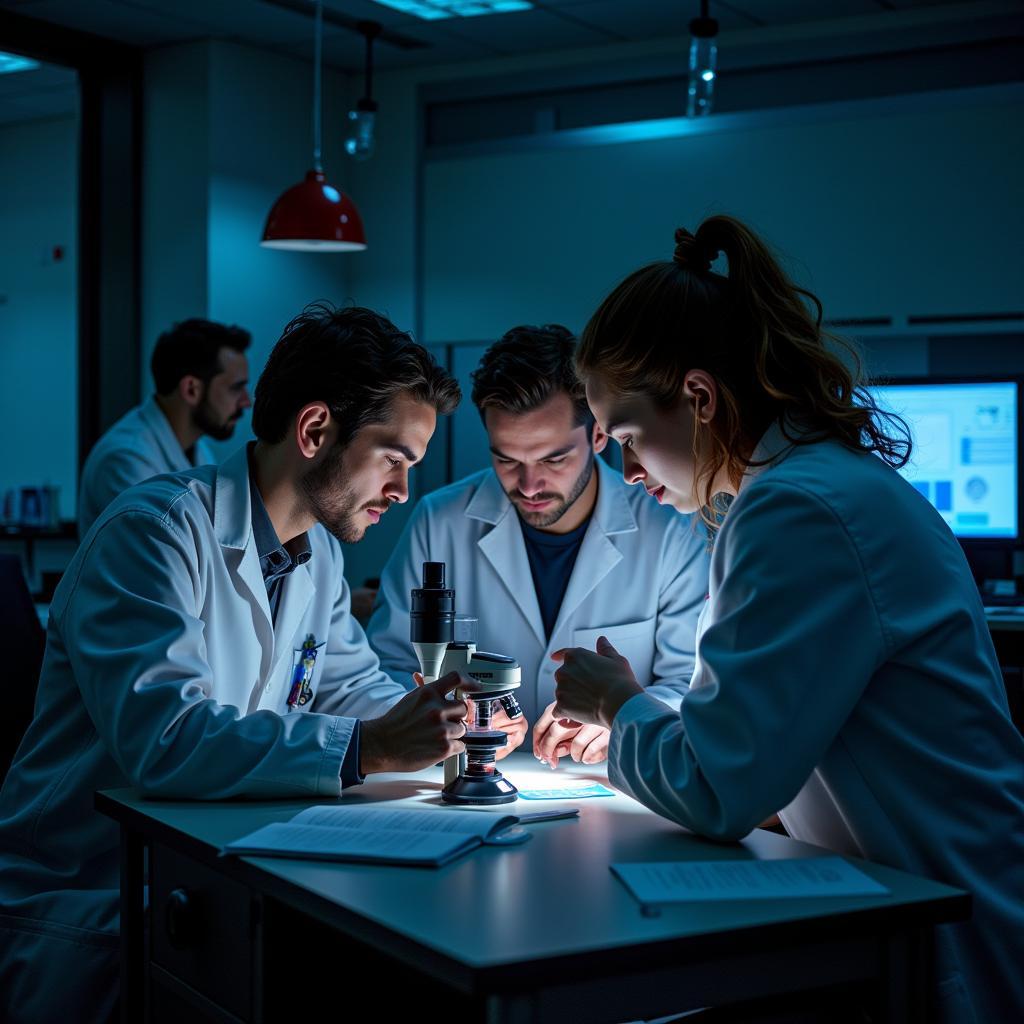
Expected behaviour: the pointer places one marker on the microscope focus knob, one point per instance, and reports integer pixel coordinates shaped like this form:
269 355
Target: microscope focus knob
511 706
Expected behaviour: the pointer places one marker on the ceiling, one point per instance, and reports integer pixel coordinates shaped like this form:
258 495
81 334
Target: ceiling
285 26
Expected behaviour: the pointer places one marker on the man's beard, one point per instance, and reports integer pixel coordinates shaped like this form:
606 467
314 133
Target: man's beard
204 419
548 518
333 505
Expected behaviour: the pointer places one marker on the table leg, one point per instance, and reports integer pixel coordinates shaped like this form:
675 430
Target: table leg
905 991
133 953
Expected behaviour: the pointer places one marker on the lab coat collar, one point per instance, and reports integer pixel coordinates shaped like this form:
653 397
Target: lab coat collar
505 549
775 445
167 441
232 506
612 513
232 523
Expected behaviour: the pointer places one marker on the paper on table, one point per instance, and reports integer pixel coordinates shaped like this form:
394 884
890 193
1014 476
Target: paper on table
686 881
381 835
318 843
440 819
566 792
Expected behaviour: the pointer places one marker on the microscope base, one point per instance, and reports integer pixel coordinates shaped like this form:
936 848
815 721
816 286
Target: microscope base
490 789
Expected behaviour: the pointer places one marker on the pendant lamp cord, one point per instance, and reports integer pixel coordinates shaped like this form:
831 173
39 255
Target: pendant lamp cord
369 64
317 165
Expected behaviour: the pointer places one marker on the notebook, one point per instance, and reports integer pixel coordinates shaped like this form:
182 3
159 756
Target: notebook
376 835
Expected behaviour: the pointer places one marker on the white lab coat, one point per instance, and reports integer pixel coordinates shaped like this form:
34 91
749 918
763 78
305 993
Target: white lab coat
640 579
845 673
140 445
163 671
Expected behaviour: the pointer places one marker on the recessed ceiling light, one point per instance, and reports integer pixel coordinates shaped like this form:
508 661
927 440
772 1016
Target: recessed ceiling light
11 62
433 10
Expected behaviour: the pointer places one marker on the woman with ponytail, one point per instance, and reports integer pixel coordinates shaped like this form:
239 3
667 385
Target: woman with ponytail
845 675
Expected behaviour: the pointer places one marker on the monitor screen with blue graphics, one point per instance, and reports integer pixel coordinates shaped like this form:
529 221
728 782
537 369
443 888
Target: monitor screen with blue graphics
966 456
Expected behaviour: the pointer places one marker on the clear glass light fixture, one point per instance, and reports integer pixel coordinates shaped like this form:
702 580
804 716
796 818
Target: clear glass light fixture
703 64
359 140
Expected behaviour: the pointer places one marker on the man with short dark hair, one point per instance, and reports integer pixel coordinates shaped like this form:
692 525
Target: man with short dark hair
549 548
201 376
201 646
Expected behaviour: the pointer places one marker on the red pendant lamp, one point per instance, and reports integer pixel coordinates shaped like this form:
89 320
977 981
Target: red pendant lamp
314 216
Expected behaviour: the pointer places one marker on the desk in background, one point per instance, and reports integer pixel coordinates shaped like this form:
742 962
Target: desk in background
1006 625
542 932
25 539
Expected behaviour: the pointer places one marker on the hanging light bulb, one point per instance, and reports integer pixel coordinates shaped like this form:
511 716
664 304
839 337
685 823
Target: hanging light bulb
359 142
314 216
703 63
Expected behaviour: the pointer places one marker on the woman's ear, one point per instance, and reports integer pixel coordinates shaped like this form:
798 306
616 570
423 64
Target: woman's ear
598 439
702 389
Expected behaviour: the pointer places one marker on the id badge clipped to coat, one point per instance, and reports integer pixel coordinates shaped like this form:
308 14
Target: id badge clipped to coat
301 691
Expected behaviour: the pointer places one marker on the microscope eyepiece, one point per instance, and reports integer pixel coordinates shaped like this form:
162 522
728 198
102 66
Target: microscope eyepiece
432 616
433 575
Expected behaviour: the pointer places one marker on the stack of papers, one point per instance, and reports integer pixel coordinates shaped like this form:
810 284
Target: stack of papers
701 881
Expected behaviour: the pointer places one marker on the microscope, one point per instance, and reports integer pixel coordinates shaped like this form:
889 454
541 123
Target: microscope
472 777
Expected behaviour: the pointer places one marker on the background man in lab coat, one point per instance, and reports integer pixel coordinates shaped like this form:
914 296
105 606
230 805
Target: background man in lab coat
202 379
549 547
175 659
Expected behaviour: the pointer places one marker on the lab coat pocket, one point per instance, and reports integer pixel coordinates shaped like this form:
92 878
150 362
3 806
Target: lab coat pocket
633 640
303 677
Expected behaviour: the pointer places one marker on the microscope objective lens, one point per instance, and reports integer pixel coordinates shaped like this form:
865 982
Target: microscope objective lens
483 714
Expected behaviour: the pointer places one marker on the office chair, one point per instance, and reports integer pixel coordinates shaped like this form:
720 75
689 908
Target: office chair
23 641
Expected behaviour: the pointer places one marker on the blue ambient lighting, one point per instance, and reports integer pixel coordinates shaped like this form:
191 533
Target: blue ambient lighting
332 193
11 62
433 10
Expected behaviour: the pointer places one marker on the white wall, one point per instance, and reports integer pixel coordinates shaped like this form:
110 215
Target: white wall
228 129
175 192
38 307
260 144
880 213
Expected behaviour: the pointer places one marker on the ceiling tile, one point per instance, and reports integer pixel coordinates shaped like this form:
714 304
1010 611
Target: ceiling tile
781 12
553 24
251 19
366 10
646 19
525 31
921 3
137 26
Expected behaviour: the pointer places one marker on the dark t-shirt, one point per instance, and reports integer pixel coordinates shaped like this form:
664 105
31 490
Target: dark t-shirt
552 556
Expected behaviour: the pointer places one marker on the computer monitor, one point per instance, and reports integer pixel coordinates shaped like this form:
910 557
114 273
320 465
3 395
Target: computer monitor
965 459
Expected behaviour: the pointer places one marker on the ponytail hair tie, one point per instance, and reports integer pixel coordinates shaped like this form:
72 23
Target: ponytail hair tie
691 254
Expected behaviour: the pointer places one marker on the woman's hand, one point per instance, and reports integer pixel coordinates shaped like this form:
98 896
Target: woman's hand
554 738
514 728
592 686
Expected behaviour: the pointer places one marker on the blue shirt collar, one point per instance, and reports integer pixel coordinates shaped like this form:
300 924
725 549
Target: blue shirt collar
276 559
